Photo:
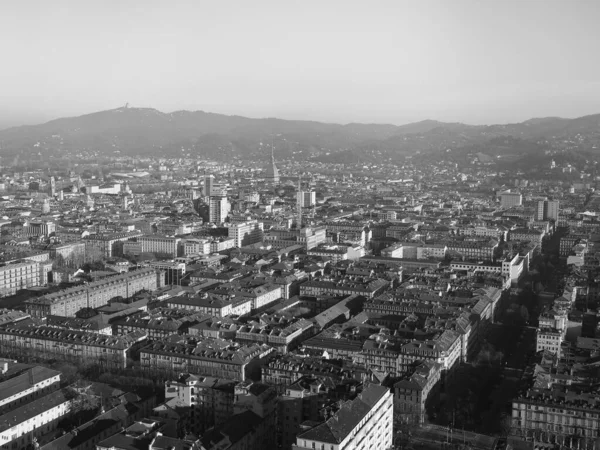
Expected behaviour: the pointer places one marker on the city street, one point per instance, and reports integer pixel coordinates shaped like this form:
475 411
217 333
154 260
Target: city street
441 436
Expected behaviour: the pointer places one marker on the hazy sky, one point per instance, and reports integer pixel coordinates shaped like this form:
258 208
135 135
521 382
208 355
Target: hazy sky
479 61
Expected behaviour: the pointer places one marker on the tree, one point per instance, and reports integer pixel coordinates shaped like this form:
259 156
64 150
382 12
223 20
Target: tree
83 405
92 266
524 313
93 254
505 425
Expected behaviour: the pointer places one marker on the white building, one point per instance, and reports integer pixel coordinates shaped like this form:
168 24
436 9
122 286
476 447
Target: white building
245 233
549 339
33 419
514 267
160 244
306 199
364 423
196 247
218 209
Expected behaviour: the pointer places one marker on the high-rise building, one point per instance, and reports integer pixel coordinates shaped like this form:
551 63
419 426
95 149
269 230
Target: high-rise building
218 209
209 180
547 210
213 189
306 199
52 187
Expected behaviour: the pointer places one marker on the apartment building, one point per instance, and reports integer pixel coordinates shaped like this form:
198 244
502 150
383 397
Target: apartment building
287 369
92 295
259 296
527 234
353 231
308 237
547 210
210 357
70 345
26 385
170 272
39 228
309 398
196 247
214 305
167 245
413 391
306 199
109 245
19 426
92 325
480 250
568 242
496 232
558 415
510 199
21 275
334 253
245 233
218 209
211 399
156 328
549 339
218 245
69 250
281 339
398 357
368 287
364 423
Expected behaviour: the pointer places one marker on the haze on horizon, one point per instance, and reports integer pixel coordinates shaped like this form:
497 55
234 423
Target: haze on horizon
395 61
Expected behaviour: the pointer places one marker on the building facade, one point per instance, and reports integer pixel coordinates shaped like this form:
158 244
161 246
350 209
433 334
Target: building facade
92 295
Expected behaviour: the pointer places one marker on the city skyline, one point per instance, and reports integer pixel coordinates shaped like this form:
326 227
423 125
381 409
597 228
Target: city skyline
393 62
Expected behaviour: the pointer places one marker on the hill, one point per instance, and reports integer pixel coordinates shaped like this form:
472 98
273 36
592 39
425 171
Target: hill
137 131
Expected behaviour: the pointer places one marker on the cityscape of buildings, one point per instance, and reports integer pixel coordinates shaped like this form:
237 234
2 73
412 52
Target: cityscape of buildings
291 305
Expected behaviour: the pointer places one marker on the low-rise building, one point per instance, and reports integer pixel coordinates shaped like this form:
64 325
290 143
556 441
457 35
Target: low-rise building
414 390
92 295
69 345
167 245
21 425
211 357
549 339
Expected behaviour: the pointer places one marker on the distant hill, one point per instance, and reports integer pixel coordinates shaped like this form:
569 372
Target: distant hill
150 132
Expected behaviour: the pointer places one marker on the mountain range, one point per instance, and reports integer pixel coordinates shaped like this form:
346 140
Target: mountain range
146 131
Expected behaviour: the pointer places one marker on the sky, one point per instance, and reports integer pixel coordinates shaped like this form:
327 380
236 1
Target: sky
398 61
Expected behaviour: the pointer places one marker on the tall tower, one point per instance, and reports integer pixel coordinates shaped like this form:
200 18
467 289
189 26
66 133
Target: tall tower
300 202
52 187
272 173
